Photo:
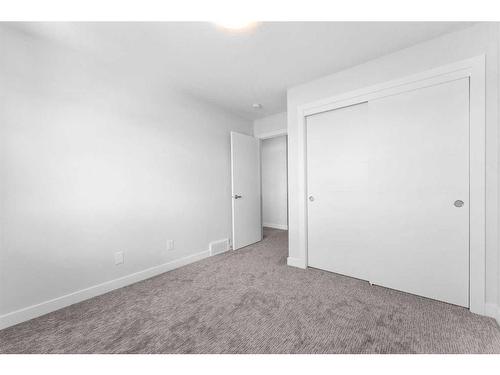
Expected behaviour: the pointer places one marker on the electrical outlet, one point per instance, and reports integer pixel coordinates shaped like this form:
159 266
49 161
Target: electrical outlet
170 245
118 257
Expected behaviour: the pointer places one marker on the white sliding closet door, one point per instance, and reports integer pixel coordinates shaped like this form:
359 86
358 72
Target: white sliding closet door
386 179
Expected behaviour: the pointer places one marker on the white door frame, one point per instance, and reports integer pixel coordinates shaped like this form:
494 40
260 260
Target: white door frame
272 134
474 69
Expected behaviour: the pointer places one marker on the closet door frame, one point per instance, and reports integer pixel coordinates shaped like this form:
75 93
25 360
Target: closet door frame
474 69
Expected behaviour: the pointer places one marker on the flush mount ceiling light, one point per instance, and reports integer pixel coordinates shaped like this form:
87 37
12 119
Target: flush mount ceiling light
236 25
256 106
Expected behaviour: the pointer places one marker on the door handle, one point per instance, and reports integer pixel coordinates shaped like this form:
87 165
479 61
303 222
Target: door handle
236 196
458 203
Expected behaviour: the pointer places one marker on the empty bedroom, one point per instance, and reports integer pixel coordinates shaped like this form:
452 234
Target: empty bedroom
220 186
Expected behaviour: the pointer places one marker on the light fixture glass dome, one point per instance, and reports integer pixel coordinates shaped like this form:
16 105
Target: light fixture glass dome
236 25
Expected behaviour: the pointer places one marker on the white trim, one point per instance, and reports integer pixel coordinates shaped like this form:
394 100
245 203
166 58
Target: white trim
46 307
276 226
296 262
473 68
493 311
272 134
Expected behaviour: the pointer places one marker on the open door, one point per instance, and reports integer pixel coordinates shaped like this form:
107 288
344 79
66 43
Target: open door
245 185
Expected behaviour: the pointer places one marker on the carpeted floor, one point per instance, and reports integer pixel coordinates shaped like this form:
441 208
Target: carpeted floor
249 301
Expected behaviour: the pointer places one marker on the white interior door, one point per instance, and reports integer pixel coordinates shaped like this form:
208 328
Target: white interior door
246 195
384 181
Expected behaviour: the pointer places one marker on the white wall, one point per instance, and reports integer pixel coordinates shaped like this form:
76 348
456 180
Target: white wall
477 40
274 183
270 126
91 166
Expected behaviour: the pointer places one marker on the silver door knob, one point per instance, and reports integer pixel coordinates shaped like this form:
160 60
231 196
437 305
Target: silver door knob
458 203
311 198
236 196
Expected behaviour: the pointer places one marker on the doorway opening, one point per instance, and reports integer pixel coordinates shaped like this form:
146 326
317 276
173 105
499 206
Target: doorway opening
274 183
259 179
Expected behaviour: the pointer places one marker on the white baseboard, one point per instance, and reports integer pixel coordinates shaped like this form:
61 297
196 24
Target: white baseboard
296 262
276 226
493 311
46 307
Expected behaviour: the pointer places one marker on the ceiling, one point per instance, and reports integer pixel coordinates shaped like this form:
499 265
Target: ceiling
233 70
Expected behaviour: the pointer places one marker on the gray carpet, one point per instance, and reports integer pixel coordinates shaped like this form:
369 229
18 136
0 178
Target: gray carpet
249 301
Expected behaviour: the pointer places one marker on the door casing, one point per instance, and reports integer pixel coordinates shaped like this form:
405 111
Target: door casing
474 69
